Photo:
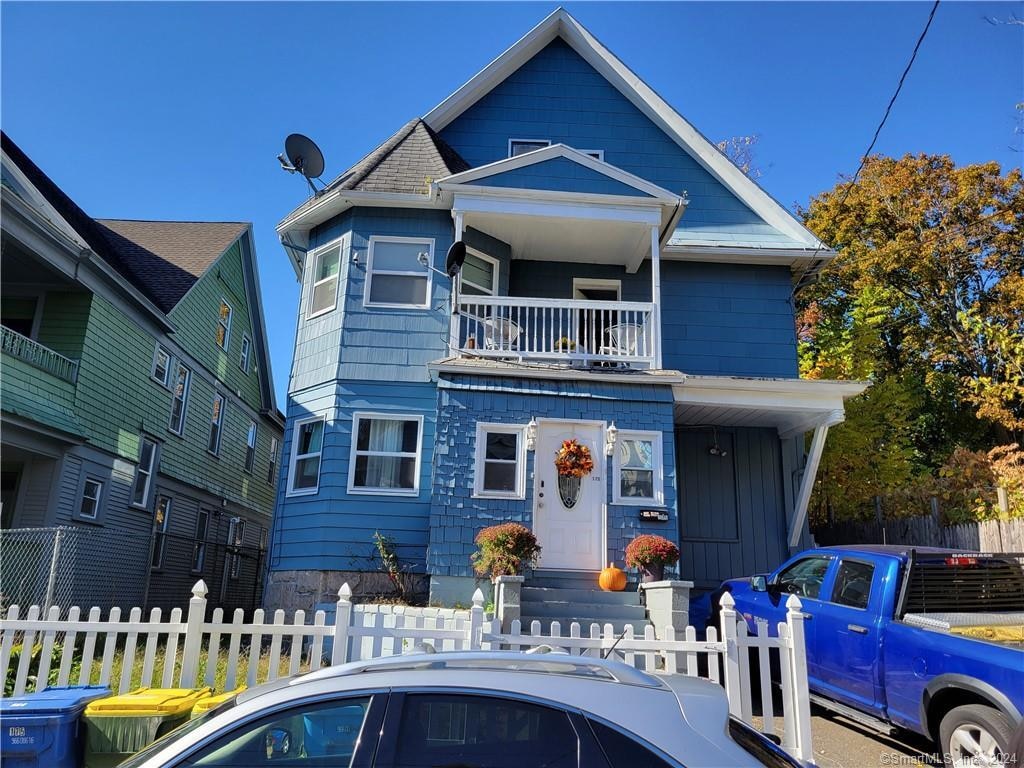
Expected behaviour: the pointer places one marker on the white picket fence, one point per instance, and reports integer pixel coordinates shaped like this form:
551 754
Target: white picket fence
182 641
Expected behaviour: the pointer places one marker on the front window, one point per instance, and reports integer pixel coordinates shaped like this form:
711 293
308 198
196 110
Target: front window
522 146
804 577
144 472
92 493
479 275
161 519
637 468
250 447
179 400
161 365
307 446
243 358
385 454
394 275
223 325
500 461
216 424
323 296
199 547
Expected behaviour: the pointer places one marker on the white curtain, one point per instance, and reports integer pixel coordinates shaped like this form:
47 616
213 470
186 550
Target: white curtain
385 471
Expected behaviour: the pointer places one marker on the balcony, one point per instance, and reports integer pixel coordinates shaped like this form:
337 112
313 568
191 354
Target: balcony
35 354
569 333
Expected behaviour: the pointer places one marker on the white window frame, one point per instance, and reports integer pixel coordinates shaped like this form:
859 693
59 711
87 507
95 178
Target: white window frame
98 499
493 290
545 142
597 154
160 532
180 431
292 491
482 429
313 282
165 382
251 437
600 283
657 460
148 472
427 272
245 353
272 468
354 452
219 423
227 325
199 545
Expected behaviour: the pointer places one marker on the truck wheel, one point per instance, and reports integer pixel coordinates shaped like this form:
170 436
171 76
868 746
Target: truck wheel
975 735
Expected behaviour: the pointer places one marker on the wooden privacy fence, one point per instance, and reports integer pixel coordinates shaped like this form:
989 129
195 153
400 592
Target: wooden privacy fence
190 648
926 531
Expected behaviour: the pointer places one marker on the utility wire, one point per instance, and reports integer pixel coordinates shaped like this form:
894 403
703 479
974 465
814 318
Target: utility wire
874 139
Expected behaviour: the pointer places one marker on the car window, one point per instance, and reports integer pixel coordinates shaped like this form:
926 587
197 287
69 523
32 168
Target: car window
804 577
853 584
483 732
623 751
319 735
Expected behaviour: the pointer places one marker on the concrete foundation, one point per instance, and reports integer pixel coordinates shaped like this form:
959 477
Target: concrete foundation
451 591
292 590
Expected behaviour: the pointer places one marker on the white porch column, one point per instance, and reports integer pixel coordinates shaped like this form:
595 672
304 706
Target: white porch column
803 497
656 293
453 330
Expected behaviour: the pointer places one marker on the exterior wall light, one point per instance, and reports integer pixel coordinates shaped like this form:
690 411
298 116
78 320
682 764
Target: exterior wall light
611 435
531 435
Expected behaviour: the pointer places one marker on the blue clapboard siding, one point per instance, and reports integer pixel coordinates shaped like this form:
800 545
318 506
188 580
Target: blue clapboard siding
332 529
727 319
731 508
463 401
558 96
560 175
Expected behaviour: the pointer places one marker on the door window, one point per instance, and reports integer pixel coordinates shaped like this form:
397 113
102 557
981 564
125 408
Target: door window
483 732
316 735
804 577
853 584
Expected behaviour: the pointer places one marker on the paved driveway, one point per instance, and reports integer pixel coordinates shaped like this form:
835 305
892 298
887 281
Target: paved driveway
841 743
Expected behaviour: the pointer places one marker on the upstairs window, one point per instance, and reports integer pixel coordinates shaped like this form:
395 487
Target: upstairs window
223 325
479 275
161 366
307 447
216 424
385 454
144 472
272 466
179 400
394 275
162 517
522 146
250 447
323 296
243 358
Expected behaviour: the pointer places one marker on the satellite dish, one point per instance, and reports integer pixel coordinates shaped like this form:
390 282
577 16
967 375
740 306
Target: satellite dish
304 156
455 259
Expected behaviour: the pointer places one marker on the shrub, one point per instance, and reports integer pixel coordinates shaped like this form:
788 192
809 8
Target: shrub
649 549
505 550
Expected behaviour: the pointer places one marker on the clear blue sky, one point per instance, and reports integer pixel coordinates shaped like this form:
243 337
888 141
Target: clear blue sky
177 111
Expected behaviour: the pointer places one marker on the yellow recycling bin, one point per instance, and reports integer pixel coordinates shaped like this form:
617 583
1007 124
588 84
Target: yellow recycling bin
207 703
119 726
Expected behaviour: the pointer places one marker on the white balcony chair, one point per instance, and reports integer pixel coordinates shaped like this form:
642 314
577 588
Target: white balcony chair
623 340
501 334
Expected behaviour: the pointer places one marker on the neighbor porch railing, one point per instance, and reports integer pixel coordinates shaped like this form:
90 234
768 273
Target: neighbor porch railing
35 354
560 331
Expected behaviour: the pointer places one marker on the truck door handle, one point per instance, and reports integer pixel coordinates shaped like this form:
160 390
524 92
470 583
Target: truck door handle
857 628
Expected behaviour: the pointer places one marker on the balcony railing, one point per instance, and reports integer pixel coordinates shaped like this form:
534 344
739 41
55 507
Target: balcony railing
35 354
570 333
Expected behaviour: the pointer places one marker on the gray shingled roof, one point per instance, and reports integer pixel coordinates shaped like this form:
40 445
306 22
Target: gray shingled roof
406 162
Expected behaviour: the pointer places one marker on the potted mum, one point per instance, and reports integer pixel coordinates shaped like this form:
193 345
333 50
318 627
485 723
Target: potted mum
651 554
505 550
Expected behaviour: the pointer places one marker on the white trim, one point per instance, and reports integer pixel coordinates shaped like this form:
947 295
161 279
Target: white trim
426 272
597 154
98 499
354 452
227 325
482 429
803 498
314 260
732 254
561 24
512 370
657 470
165 382
601 284
554 205
298 424
546 142
493 290
331 203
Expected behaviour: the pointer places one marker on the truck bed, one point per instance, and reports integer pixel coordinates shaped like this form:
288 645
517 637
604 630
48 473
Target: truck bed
1002 628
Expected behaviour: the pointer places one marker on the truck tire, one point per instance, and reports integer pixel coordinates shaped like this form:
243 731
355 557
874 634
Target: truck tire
974 735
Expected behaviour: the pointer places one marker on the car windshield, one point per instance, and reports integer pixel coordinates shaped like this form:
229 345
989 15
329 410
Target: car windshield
178 733
766 752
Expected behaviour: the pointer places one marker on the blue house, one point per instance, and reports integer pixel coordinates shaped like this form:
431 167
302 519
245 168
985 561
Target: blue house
625 285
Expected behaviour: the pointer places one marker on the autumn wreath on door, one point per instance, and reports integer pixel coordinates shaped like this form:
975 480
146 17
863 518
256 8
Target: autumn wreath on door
573 463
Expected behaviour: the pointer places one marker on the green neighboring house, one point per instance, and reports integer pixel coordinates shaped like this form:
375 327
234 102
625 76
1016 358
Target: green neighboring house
137 405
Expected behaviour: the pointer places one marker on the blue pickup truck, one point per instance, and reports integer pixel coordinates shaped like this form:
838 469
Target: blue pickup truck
923 639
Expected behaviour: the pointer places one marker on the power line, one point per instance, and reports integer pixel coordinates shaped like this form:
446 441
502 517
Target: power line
874 139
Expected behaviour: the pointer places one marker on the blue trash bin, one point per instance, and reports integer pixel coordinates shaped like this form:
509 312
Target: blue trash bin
41 730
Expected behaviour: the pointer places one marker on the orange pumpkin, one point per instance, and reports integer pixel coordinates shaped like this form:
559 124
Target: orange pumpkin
612 579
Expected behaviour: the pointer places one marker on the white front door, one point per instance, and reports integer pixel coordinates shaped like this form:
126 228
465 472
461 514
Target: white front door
571 537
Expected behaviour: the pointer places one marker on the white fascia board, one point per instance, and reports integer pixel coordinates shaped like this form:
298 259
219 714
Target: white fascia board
330 204
552 206
782 395
639 94
789 257
527 371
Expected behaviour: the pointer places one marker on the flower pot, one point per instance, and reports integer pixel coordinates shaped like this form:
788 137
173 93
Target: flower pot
652 572
569 490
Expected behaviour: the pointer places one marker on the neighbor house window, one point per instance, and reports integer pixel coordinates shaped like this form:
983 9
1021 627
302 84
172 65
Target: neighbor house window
272 466
250 447
92 493
323 296
216 424
307 447
385 454
522 146
179 399
243 358
394 275
479 275
199 548
500 461
223 324
236 537
144 472
161 366
637 476
162 517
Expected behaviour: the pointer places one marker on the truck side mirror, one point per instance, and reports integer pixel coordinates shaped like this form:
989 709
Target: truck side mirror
759 583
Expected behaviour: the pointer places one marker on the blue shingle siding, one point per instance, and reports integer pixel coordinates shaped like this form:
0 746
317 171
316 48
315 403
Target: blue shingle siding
558 96
463 401
560 175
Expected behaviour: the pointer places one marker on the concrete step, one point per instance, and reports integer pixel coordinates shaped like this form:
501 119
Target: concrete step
600 611
533 594
563 579
618 625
